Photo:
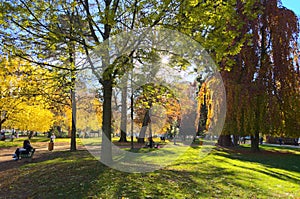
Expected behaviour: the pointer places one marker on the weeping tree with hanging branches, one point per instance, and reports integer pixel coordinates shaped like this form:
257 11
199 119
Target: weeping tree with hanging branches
263 84
254 44
222 30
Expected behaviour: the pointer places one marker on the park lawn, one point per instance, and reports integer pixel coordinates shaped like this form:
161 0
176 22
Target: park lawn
18 142
223 173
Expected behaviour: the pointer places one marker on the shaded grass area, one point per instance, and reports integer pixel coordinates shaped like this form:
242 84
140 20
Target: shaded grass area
223 173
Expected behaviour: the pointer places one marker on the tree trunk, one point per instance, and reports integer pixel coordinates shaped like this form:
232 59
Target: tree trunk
30 135
260 80
236 140
203 118
106 150
225 141
150 136
131 122
73 93
2 120
73 129
255 142
123 125
146 121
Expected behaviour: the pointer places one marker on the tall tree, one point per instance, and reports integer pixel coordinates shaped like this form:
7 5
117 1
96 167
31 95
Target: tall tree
111 13
46 33
265 63
221 27
254 44
95 22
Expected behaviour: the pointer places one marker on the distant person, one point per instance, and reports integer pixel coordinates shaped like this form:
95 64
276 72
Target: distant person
24 150
280 141
244 140
261 139
296 142
52 137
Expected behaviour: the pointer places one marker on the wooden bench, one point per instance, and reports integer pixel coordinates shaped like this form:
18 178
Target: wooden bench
27 155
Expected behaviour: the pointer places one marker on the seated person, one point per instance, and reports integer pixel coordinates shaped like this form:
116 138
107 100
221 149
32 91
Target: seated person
25 150
151 143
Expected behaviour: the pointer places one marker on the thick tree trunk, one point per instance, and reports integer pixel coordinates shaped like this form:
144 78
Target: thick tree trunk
123 136
203 118
260 80
2 120
146 121
30 135
236 140
225 141
255 142
106 148
123 125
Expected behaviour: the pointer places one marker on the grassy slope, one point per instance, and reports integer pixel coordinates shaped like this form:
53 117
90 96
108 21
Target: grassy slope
222 174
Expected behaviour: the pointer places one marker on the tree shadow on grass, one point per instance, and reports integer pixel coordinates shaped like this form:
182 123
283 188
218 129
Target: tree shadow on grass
267 170
269 158
52 175
166 183
79 175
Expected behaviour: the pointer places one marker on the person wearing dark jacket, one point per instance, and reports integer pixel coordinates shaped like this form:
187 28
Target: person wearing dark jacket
25 150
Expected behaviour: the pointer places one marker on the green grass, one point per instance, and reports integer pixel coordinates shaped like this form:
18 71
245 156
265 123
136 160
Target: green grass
222 174
18 142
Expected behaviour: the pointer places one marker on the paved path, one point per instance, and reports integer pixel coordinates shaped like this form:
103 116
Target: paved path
283 145
42 147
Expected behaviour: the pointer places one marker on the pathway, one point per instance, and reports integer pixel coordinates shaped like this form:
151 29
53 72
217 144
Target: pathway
41 148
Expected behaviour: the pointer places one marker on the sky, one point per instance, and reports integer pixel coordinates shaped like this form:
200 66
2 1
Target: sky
292 5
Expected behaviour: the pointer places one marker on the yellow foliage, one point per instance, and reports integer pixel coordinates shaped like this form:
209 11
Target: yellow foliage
31 118
22 103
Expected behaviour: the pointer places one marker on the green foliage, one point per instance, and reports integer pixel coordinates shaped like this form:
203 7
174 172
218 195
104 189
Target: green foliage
56 34
217 25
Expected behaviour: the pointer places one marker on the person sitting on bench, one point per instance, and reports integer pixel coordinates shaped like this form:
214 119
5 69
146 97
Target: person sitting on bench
25 150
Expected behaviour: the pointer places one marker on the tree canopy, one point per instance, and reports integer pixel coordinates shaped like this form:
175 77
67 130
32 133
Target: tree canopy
253 42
